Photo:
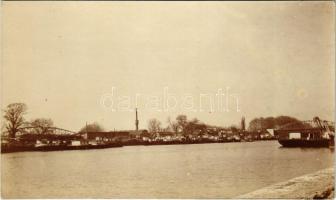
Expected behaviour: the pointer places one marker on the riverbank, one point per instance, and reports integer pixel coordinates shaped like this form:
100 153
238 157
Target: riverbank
21 148
13 149
318 185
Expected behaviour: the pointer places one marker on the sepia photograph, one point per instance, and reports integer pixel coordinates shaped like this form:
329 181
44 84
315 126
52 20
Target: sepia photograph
167 99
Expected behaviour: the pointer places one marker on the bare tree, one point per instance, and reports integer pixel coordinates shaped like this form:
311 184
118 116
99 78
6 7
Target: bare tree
182 122
234 128
261 124
173 125
42 125
14 117
3 129
154 125
195 125
93 127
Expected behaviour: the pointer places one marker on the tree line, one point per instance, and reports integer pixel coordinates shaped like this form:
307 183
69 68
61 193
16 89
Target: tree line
183 125
180 124
280 122
14 121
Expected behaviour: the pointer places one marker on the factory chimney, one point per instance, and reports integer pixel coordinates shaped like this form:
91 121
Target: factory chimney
136 120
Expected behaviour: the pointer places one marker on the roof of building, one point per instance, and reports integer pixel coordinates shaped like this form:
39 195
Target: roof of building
107 134
165 134
134 132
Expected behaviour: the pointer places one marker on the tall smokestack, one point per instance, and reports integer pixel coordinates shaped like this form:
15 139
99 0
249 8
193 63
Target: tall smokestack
242 124
136 120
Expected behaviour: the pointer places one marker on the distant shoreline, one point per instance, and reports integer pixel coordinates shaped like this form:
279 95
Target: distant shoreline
112 145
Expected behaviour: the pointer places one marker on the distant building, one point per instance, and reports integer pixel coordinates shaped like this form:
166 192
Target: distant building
137 133
106 137
145 136
165 136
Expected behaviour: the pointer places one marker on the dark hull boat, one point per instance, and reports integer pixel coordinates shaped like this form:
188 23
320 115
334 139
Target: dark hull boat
304 143
10 149
322 135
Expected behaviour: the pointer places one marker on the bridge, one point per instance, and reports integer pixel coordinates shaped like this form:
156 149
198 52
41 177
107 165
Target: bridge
43 132
49 130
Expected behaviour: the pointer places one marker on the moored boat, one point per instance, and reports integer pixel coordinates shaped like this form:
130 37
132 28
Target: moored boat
304 143
20 148
319 136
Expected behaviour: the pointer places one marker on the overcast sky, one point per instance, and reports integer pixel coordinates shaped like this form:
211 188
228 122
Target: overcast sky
63 58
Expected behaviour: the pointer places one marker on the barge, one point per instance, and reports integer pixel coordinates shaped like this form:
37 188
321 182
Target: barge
319 136
20 148
304 143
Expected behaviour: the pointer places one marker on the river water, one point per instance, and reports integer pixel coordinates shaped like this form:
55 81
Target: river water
221 170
